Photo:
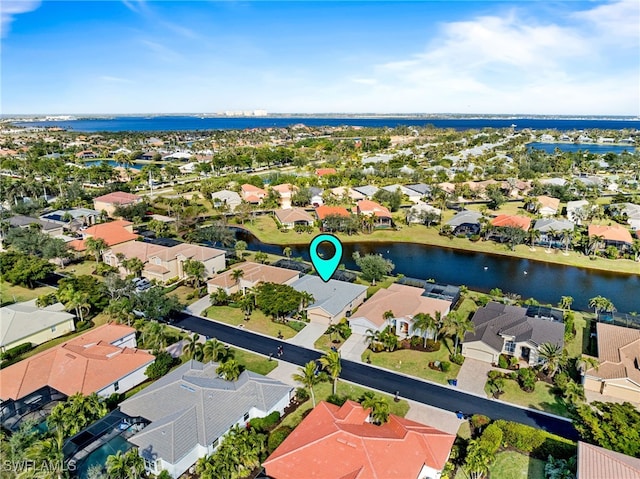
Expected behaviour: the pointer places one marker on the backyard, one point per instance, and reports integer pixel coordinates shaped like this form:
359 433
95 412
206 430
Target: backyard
259 322
16 294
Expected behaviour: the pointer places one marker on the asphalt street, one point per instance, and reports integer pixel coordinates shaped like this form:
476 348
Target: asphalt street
427 393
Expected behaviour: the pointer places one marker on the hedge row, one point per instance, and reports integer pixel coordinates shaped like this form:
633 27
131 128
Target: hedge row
534 441
12 353
263 424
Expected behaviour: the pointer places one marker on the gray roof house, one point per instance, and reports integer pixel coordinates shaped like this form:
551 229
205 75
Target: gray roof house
506 329
333 300
226 197
465 217
191 409
366 190
49 227
545 225
420 188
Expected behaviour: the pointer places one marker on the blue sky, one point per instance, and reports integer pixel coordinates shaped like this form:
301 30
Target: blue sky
530 57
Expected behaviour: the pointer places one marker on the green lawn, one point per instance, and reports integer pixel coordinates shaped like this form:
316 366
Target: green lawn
255 362
373 288
323 391
265 229
323 343
17 294
415 363
86 267
182 292
258 322
541 398
514 465
467 307
580 343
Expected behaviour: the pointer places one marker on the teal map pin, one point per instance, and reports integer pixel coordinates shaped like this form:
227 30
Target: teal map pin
325 267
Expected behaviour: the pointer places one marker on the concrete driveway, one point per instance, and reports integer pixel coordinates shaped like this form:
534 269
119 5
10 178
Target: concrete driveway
199 306
473 376
309 335
353 347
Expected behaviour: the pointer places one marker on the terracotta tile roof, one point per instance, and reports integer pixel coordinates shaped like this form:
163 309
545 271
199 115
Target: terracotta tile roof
404 301
285 188
325 171
113 233
247 188
618 353
611 233
118 198
598 463
86 364
337 443
324 211
137 249
254 273
514 221
371 207
548 202
292 215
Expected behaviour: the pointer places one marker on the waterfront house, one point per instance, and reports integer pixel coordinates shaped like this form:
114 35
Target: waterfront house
109 202
552 230
341 442
252 275
25 322
367 191
292 217
381 215
614 235
577 211
103 360
113 233
404 302
421 211
226 199
325 211
465 222
252 194
511 221
192 408
73 218
629 212
596 462
332 300
618 372
505 329
413 195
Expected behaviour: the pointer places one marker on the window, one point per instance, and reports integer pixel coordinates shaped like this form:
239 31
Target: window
510 347
116 386
215 443
246 416
151 465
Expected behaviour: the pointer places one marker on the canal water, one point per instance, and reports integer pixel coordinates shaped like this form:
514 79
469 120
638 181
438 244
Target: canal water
530 279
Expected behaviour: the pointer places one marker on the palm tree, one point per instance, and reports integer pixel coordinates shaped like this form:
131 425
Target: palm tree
534 235
95 246
566 302
117 466
287 252
229 370
478 459
600 303
79 301
308 378
47 456
247 303
461 326
192 349
372 337
331 363
133 266
573 392
154 335
424 323
237 274
379 407
214 350
553 357
586 362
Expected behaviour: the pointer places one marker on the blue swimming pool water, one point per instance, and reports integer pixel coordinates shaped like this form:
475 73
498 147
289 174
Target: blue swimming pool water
100 455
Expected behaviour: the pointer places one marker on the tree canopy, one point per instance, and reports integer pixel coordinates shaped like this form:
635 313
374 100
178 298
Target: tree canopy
277 300
374 267
610 425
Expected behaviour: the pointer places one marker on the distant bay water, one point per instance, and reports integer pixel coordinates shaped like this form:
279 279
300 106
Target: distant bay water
194 123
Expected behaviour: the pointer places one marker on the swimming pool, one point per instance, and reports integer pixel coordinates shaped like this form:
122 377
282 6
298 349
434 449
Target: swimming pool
100 455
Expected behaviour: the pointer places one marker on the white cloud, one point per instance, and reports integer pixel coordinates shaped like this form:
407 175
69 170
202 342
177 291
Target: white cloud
10 8
617 21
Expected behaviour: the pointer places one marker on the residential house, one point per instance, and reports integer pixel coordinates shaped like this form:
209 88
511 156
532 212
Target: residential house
51 228
341 442
466 222
512 221
332 300
286 192
111 201
292 217
226 199
73 218
381 215
113 233
404 302
630 212
413 195
556 181
163 263
325 171
596 462
345 192
87 154
618 373
103 360
552 230
505 329
577 211
25 322
252 275
192 408
547 206
367 191
420 188
420 211
323 211
252 194
614 235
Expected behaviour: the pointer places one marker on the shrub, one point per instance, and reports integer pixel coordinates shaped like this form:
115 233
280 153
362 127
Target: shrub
482 300
513 375
513 362
302 394
337 400
102 269
161 366
82 325
561 380
502 362
479 420
445 366
491 438
474 238
263 424
493 374
16 351
296 325
457 359
432 345
527 379
534 441
277 436
415 341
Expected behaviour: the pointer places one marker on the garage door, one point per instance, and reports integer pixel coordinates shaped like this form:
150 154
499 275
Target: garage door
478 354
622 393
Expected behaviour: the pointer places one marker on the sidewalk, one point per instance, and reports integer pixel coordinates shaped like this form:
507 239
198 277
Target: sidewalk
309 335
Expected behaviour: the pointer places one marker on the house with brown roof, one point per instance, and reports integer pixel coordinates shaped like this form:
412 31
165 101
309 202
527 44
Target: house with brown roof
505 329
111 201
382 215
252 275
252 194
103 360
292 217
325 171
547 206
163 263
286 192
618 373
405 302
113 233
341 442
614 235
596 462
